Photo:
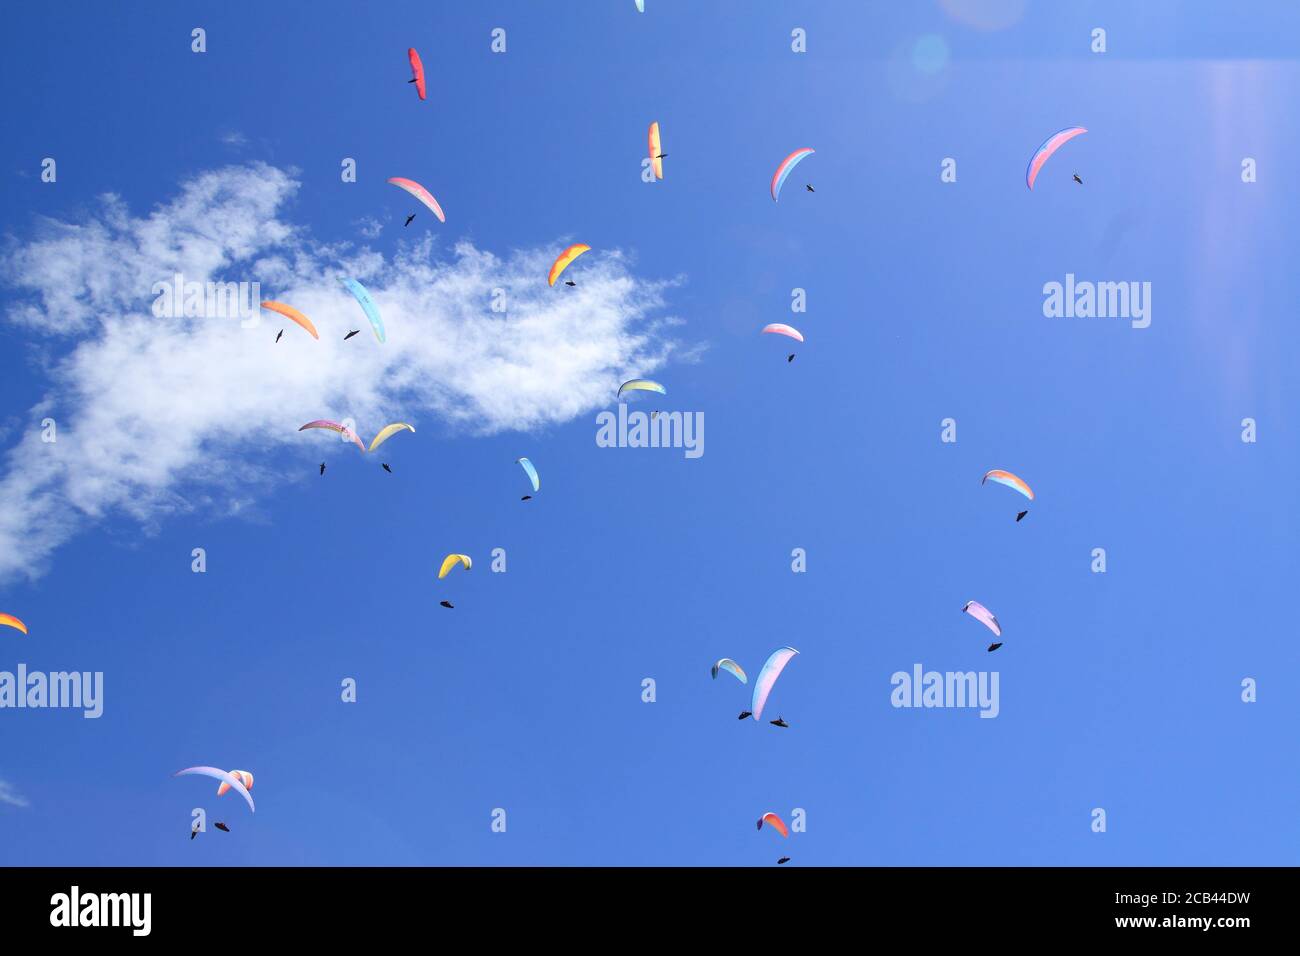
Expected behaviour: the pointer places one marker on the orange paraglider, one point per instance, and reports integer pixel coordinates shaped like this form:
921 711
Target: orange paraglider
289 312
243 776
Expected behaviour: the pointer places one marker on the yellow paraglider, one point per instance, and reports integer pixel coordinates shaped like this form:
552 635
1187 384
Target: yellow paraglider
387 432
8 620
656 151
450 561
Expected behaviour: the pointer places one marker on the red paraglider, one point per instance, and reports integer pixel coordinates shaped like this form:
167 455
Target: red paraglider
417 71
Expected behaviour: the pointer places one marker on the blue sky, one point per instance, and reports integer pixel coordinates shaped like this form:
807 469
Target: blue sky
1118 690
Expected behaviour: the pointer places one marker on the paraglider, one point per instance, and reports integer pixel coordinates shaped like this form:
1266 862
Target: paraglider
420 193
408 220
221 775
656 151
744 714
8 620
223 828
386 468
388 431
789 358
1077 179
783 171
1044 152
1001 477
367 304
779 722
243 776
809 188
450 561
780 328
767 677
641 385
732 668
343 430
982 614
289 312
417 71
322 467
1021 515
447 604
528 468
564 260
775 822
350 334
278 335
784 859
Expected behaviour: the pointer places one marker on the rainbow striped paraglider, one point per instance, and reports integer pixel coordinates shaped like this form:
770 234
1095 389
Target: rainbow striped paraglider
783 171
1011 481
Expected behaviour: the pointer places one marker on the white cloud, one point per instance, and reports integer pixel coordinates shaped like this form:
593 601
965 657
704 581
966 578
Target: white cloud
369 227
11 796
159 416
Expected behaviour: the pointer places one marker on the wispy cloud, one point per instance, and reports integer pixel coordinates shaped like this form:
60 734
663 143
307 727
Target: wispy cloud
234 138
159 416
369 227
11 796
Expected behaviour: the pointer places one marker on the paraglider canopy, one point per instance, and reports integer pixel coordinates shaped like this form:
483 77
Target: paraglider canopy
289 312
1011 481
362 295
787 166
767 677
656 151
216 774
420 193
982 614
731 667
564 259
641 385
243 776
343 430
417 71
450 561
780 328
8 620
1044 152
528 468
388 431
775 822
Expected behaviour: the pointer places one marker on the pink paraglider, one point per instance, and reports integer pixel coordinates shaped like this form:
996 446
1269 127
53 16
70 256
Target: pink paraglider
982 614
1044 152
780 328
767 677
